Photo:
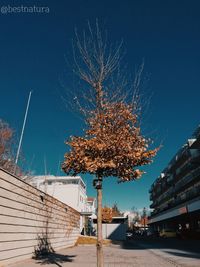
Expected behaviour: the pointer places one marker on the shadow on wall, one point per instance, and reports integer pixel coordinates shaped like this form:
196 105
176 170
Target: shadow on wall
115 231
43 248
45 254
34 222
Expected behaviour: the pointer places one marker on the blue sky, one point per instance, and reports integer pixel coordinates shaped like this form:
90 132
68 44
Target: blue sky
33 48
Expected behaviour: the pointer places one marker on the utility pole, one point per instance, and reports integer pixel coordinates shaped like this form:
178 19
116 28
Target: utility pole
22 132
144 217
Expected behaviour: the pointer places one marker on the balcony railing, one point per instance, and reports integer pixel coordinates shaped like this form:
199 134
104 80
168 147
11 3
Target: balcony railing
193 193
185 176
182 155
187 179
187 167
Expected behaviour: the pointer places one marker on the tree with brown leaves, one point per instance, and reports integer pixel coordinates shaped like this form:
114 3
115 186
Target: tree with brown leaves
113 144
6 137
107 214
7 155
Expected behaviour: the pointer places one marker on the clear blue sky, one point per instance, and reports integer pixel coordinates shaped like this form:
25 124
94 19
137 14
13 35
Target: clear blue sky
32 56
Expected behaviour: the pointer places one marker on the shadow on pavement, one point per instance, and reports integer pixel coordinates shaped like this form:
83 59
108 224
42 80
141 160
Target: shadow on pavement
187 248
130 245
53 258
44 253
184 254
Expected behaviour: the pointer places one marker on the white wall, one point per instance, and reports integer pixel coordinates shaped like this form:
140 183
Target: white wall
91 206
27 214
114 231
68 194
73 195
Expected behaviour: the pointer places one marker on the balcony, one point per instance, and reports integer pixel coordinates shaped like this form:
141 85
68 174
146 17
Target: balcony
196 144
182 155
188 166
150 190
165 186
170 179
172 201
154 204
196 173
188 196
165 197
193 193
163 193
196 133
187 179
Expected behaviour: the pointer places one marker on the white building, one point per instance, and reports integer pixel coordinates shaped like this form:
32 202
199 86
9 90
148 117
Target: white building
71 190
91 205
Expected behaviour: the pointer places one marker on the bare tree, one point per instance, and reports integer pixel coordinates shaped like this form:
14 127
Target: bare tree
113 144
115 210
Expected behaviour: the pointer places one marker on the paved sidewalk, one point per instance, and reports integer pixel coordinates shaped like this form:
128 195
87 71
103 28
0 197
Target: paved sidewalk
114 256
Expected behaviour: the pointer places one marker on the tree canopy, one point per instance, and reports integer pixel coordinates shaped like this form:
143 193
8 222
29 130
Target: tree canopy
7 149
112 146
6 138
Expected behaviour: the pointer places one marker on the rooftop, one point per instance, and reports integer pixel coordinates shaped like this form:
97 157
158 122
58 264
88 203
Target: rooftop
90 199
53 177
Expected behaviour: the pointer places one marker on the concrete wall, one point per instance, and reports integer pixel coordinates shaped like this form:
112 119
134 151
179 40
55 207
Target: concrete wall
114 231
27 216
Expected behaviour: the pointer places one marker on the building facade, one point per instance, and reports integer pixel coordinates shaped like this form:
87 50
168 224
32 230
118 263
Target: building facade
70 190
176 192
91 205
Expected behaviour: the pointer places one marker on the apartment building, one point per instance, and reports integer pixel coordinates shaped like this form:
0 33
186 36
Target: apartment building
175 194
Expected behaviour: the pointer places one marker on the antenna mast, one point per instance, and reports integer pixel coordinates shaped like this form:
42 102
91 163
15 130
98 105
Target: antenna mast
22 132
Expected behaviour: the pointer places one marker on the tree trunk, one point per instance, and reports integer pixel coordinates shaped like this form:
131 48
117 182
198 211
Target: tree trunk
99 97
99 226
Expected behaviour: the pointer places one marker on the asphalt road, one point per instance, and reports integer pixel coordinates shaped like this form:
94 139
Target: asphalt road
177 251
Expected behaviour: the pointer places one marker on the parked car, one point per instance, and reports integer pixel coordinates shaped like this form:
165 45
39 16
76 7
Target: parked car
152 233
167 233
188 234
129 235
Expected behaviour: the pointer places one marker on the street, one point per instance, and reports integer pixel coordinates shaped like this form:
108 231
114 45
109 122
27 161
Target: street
133 253
176 251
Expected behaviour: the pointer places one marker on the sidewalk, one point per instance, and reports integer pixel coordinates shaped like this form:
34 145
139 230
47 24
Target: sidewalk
85 255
